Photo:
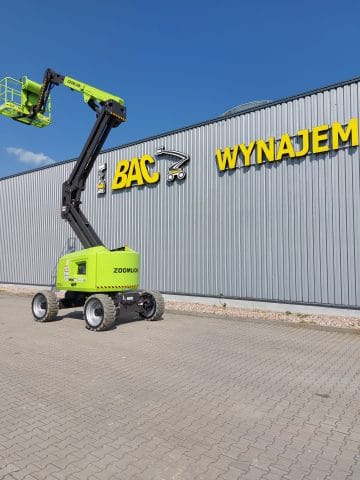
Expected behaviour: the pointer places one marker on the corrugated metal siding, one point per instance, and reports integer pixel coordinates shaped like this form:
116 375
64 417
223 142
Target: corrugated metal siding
286 231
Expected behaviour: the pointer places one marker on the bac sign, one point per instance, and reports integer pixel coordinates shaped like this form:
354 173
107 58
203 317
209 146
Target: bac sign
134 172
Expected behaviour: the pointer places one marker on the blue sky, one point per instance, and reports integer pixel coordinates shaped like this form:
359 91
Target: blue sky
174 62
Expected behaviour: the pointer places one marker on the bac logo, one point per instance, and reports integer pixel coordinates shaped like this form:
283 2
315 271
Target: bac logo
176 170
134 172
139 171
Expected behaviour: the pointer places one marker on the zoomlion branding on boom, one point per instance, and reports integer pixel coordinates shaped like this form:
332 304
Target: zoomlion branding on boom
70 81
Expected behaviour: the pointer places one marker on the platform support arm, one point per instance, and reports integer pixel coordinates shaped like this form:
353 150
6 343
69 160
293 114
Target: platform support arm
50 79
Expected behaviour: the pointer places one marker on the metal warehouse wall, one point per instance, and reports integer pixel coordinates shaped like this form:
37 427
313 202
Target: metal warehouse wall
285 231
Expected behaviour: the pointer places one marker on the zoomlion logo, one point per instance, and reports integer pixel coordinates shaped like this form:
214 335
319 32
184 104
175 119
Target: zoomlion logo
125 270
139 171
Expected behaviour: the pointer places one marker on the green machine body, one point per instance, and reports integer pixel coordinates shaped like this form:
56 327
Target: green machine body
98 269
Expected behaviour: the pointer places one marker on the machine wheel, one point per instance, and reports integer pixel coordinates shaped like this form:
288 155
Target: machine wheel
153 305
181 175
99 312
45 306
170 177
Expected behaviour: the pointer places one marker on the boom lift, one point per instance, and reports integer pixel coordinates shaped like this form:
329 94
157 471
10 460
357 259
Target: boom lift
103 281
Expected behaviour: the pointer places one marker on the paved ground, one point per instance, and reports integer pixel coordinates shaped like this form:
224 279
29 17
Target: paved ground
186 398
264 306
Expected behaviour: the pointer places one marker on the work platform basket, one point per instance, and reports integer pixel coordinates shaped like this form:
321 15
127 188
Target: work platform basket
17 99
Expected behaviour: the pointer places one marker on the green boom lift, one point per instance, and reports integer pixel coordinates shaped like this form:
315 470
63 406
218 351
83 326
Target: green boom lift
103 281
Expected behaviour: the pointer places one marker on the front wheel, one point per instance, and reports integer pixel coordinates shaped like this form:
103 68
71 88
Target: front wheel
45 306
152 305
99 313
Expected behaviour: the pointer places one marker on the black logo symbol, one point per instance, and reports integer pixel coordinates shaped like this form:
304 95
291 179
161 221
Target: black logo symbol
176 170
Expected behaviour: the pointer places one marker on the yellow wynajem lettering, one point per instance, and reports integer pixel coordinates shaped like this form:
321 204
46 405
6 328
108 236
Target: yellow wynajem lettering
305 143
266 148
246 151
134 174
320 134
227 158
318 143
285 148
119 180
338 133
155 177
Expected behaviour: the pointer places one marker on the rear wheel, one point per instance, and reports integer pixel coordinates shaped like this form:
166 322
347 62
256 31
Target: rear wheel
99 312
45 306
152 305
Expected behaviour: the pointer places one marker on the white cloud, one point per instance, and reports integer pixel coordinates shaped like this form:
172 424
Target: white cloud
25 156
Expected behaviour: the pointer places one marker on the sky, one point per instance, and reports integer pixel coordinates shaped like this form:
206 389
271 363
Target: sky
175 63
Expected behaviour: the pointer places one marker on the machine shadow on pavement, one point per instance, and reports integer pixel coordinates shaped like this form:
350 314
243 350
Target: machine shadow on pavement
128 315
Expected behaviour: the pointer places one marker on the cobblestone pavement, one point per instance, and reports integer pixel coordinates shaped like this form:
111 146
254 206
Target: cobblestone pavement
186 398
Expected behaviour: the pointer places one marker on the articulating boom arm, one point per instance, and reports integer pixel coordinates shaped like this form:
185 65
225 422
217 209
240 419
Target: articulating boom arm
93 96
111 112
111 115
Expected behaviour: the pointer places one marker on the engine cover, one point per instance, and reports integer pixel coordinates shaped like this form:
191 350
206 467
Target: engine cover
98 269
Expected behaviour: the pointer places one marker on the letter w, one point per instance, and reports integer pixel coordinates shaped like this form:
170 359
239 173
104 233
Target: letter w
227 158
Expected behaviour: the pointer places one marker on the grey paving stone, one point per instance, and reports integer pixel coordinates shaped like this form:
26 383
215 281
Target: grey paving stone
187 398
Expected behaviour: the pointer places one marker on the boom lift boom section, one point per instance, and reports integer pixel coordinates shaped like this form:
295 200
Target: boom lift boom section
111 112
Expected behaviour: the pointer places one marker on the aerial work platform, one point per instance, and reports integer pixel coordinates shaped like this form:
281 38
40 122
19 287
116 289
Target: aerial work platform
18 99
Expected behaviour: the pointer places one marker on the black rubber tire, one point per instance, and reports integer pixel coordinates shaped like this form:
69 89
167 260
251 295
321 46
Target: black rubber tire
182 175
99 313
153 305
44 306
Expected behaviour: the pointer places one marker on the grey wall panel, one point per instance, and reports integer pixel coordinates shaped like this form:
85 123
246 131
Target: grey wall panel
32 234
286 231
